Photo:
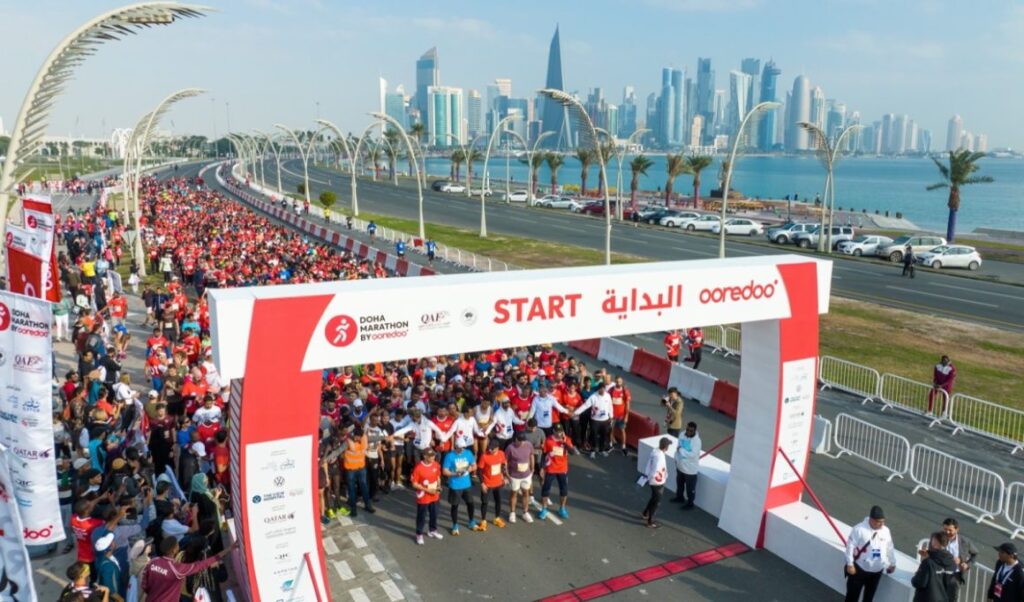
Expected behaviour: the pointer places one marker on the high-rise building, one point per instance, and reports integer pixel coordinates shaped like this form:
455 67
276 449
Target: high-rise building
898 135
752 67
766 128
835 121
394 106
444 116
911 142
553 117
719 106
666 110
854 141
739 97
818 108
967 141
504 85
925 141
981 143
428 74
696 128
382 91
474 114
3 132
888 125
706 96
799 105
677 106
689 106
954 132
627 113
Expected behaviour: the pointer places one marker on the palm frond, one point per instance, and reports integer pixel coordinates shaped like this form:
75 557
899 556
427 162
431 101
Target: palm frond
937 186
979 180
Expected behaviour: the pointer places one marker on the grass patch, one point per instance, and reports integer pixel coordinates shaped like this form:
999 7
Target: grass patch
515 250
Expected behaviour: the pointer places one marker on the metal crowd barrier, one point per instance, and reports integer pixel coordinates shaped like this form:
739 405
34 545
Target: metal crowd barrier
1014 504
732 340
987 419
915 397
714 337
873 444
973 486
862 381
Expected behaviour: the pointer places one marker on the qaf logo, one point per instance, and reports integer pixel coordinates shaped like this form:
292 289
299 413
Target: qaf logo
434 320
28 363
341 330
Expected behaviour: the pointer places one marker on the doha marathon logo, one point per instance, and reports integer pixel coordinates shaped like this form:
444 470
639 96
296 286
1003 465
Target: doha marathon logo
341 330
5 317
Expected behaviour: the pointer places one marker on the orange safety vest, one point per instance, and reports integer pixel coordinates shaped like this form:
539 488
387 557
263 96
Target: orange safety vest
355 454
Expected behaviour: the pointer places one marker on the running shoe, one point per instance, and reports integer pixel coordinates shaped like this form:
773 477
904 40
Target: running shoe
563 513
499 523
542 514
527 517
473 525
512 518
436 535
455 531
481 526
419 540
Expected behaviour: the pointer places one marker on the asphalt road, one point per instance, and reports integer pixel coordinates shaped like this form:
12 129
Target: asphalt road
994 304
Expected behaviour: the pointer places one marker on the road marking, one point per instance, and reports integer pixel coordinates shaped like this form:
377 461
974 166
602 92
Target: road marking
946 297
345 521
394 594
51 576
373 563
696 252
330 547
358 595
357 539
344 570
980 292
551 515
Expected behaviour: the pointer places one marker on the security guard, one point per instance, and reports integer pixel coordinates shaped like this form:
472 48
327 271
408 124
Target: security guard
355 467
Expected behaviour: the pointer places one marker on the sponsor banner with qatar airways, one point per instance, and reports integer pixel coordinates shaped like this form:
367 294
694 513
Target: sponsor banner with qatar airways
15 567
26 410
486 311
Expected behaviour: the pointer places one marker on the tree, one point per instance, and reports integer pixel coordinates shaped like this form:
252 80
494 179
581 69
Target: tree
536 160
472 155
697 164
676 166
639 166
392 153
328 198
962 163
418 131
586 157
373 156
456 159
301 188
607 151
555 162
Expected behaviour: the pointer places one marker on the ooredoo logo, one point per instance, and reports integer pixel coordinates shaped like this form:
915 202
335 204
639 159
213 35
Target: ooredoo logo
5 314
725 294
341 330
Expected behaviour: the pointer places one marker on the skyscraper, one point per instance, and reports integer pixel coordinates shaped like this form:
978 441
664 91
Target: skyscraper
427 74
799 106
666 109
474 113
553 115
627 113
954 132
444 116
677 106
766 127
706 96
739 97
818 108
888 125
394 106
835 121
752 67
981 143
898 140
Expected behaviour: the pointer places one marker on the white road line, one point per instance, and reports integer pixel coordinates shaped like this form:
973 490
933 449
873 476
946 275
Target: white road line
330 547
345 521
695 251
551 515
394 594
344 570
357 539
373 563
946 297
980 292
358 595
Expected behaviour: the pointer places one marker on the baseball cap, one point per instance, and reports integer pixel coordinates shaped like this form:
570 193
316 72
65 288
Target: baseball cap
877 513
118 464
153 393
1008 548
80 463
103 544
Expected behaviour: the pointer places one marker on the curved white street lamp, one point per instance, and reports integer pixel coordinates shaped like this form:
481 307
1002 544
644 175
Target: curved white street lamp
620 155
465 148
484 181
530 154
748 118
59 67
829 151
325 124
302 153
566 100
355 158
408 146
275 148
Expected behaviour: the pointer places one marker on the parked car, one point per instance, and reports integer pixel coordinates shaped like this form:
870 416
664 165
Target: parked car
785 233
680 218
436 185
516 196
476 192
862 244
596 208
739 225
950 256
560 203
453 187
808 240
919 243
654 215
703 223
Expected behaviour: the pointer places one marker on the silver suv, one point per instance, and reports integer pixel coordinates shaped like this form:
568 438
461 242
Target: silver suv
785 233
808 240
919 243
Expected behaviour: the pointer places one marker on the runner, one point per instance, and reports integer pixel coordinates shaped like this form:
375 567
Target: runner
600 405
521 465
458 467
426 481
621 398
557 447
673 341
493 476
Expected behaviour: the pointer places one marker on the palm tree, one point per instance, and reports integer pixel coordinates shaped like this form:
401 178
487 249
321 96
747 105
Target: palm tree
586 158
456 161
697 164
676 166
472 155
536 160
418 131
607 151
962 163
373 157
392 153
639 166
555 162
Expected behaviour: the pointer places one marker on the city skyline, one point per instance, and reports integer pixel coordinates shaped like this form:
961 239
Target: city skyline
875 84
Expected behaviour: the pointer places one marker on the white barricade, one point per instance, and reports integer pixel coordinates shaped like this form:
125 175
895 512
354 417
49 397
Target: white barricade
732 340
971 485
615 352
873 444
913 396
692 384
842 375
1015 507
987 419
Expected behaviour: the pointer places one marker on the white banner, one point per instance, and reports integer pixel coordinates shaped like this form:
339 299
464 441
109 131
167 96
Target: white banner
15 567
26 408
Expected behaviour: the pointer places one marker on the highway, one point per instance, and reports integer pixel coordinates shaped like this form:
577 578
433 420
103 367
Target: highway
994 304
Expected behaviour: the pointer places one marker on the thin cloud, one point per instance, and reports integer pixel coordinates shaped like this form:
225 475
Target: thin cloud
693 6
869 44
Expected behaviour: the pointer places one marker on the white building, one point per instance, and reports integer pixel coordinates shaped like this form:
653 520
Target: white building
954 132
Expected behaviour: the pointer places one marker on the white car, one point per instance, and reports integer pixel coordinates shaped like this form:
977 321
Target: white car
863 244
453 187
560 202
703 223
950 256
739 225
677 221
516 196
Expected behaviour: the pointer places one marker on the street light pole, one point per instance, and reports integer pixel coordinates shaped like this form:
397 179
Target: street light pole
304 155
748 118
408 146
484 179
351 159
530 184
566 100
829 151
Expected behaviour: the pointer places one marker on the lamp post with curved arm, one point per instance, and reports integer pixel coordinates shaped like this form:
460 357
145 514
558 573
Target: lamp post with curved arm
484 178
465 155
408 146
748 118
564 99
530 184
302 153
829 151
351 159
620 156
355 158
526 149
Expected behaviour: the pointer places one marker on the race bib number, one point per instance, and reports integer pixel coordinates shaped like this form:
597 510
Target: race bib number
522 466
495 470
558 452
460 465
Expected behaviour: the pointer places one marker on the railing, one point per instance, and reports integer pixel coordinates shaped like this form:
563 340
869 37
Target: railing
862 381
814 497
732 340
873 444
716 446
915 397
971 485
987 419
714 337
1014 504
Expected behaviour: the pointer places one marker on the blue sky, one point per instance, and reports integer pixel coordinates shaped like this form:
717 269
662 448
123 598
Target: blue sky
273 60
